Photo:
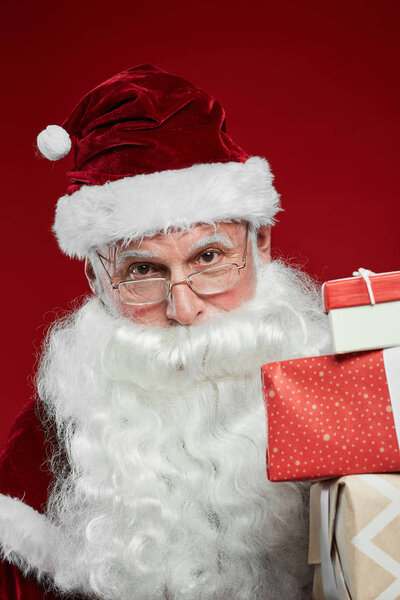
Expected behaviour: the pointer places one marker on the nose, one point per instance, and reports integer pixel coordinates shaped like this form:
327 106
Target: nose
183 305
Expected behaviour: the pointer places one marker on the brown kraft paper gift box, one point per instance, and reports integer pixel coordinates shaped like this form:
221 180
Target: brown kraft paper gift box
355 538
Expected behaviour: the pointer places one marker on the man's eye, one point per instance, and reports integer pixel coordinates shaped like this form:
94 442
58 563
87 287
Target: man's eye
208 257
141 270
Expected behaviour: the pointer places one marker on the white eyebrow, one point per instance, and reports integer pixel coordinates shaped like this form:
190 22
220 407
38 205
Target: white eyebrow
135 254
217 237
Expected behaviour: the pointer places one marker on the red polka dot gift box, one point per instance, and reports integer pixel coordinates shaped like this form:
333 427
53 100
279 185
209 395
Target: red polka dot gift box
363 311
329 416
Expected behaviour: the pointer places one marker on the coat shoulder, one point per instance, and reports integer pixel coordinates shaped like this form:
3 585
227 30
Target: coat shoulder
24 459
25 474
15 586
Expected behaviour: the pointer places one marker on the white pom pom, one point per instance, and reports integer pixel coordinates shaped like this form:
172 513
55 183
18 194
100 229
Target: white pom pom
54 142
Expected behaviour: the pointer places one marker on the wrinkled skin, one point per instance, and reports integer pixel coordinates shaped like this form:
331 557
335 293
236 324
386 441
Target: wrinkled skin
174 260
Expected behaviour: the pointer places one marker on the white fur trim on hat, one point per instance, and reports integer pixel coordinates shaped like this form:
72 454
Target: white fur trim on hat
145 205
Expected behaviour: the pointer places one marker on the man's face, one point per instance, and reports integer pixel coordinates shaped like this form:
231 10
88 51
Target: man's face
176 256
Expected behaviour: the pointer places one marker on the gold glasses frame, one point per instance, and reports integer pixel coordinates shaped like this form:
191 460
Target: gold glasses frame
170 283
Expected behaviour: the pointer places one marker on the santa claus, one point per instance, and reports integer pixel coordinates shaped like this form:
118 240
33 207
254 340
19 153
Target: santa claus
139 472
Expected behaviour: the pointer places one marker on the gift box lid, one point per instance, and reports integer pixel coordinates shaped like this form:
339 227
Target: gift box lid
353 291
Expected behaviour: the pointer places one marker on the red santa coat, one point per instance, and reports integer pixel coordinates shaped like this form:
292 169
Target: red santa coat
24 474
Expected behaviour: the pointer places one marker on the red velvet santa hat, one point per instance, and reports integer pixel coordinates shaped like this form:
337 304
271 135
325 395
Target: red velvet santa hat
151 153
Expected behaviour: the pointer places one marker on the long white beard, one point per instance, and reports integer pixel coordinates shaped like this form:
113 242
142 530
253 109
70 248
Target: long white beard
165 495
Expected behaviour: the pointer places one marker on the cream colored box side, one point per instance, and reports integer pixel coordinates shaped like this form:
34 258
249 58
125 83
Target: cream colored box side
365 327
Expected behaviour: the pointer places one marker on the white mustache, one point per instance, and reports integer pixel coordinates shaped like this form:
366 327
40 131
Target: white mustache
235 343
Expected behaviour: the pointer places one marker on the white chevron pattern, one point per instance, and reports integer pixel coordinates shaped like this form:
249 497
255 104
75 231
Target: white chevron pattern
363 542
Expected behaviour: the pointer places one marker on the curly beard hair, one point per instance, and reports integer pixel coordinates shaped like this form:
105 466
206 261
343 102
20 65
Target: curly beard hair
165 493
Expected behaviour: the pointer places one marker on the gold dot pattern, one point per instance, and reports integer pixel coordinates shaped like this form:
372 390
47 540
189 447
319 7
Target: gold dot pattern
329 416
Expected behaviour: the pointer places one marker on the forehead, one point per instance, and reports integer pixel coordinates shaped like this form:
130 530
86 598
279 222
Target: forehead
228 234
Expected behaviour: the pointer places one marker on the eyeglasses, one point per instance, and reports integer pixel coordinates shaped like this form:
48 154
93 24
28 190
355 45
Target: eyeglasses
209 281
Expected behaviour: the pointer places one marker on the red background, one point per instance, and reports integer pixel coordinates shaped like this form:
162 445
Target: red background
313 86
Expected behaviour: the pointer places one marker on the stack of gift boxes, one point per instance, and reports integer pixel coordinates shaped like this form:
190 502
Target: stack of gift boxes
336 419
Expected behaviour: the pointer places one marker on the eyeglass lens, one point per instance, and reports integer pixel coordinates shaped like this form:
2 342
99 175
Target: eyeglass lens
212 281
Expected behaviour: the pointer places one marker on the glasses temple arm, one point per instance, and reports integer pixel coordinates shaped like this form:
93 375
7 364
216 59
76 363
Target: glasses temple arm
245 246
104 267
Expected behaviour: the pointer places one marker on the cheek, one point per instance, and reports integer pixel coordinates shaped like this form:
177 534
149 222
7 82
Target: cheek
138 314
242 292
154 314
